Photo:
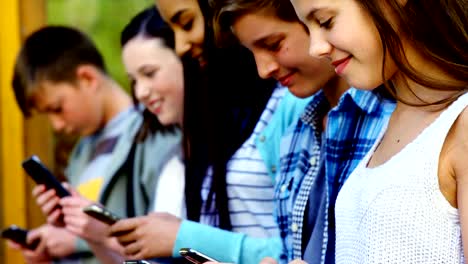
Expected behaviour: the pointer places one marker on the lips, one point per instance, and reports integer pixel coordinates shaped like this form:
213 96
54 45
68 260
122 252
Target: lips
155 106
340 65
287 79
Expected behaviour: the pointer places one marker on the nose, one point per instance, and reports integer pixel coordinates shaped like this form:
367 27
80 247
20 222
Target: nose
182 45
58 123
266 65
319 46
141 91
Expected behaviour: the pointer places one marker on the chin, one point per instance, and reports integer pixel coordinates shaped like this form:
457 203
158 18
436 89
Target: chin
303 91
364 85
166 121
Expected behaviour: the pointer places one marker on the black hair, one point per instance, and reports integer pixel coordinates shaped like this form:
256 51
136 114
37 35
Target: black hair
51 53
148 23
236 98
197 126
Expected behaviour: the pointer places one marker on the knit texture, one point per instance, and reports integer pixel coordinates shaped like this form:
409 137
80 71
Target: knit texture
395 212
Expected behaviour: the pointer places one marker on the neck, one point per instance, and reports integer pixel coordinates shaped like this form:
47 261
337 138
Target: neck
334 89
115 99
415 93
180 123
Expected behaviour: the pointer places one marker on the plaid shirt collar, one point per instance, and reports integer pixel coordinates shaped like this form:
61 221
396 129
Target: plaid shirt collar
352 127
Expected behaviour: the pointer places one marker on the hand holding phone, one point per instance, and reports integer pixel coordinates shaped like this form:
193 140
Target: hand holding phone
19 236
101 213
194 256
41 175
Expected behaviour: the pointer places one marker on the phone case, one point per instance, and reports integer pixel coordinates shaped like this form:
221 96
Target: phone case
18 235
41 175
100 213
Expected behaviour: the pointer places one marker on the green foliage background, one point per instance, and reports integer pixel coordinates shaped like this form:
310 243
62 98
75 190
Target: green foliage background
103 20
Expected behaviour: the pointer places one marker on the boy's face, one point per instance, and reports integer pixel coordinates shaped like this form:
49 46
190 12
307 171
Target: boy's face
71 108
280 49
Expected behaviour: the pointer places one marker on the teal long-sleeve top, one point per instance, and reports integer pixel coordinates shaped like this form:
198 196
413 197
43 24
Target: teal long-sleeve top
239 248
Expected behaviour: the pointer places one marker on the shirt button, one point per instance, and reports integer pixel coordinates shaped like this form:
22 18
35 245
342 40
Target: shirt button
283 188
273 169
294 227
262 138
313 161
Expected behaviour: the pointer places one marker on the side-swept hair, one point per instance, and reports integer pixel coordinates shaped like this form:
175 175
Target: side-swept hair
439 31
51 53
148 24
227 12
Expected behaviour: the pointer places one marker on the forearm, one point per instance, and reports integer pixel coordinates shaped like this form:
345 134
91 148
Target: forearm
105 255
226 246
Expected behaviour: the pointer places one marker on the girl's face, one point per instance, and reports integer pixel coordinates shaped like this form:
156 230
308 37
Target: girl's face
343 33
187 21
280 51
157 76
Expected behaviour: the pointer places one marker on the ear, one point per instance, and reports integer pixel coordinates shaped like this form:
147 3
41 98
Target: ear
88 76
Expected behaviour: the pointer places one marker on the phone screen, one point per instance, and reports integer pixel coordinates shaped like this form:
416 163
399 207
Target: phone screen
137 262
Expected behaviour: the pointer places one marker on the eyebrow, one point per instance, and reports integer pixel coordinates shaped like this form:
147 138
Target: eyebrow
311 13
261 41
145 67
175 18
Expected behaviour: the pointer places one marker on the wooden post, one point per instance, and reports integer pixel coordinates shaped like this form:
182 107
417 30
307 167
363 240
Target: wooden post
11 128
18 137
38 137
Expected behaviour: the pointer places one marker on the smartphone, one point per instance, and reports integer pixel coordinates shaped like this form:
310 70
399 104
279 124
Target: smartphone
19 235
100 213
137 262
194 256
41 175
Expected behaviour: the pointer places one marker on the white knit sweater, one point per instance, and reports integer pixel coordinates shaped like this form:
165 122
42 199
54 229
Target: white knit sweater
396 213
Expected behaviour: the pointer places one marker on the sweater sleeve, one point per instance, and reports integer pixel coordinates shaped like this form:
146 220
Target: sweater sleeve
226 246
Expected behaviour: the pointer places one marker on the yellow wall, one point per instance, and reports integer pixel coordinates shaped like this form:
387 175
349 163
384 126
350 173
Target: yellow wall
18 137
11 127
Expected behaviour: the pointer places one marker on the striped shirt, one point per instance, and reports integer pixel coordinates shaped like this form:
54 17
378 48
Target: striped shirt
250 189
352 127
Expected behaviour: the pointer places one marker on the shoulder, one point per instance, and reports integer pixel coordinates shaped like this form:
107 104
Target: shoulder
161 144
456 146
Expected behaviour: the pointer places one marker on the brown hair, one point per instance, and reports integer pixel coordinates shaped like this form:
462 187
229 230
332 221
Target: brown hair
226 12
52 53
437 28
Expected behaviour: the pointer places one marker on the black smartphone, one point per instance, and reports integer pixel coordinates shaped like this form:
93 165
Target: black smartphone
19 235
41 175
194 256
100 213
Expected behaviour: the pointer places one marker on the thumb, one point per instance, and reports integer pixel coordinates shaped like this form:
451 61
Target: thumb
297 261
268 260
72 190
33 235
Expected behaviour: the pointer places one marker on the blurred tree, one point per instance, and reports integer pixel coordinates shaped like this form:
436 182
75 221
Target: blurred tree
103 20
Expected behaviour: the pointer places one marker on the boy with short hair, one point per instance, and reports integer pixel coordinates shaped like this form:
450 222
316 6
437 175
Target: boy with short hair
60 72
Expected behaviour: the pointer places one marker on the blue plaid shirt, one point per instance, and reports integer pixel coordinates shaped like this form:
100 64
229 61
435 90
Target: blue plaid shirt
352 127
